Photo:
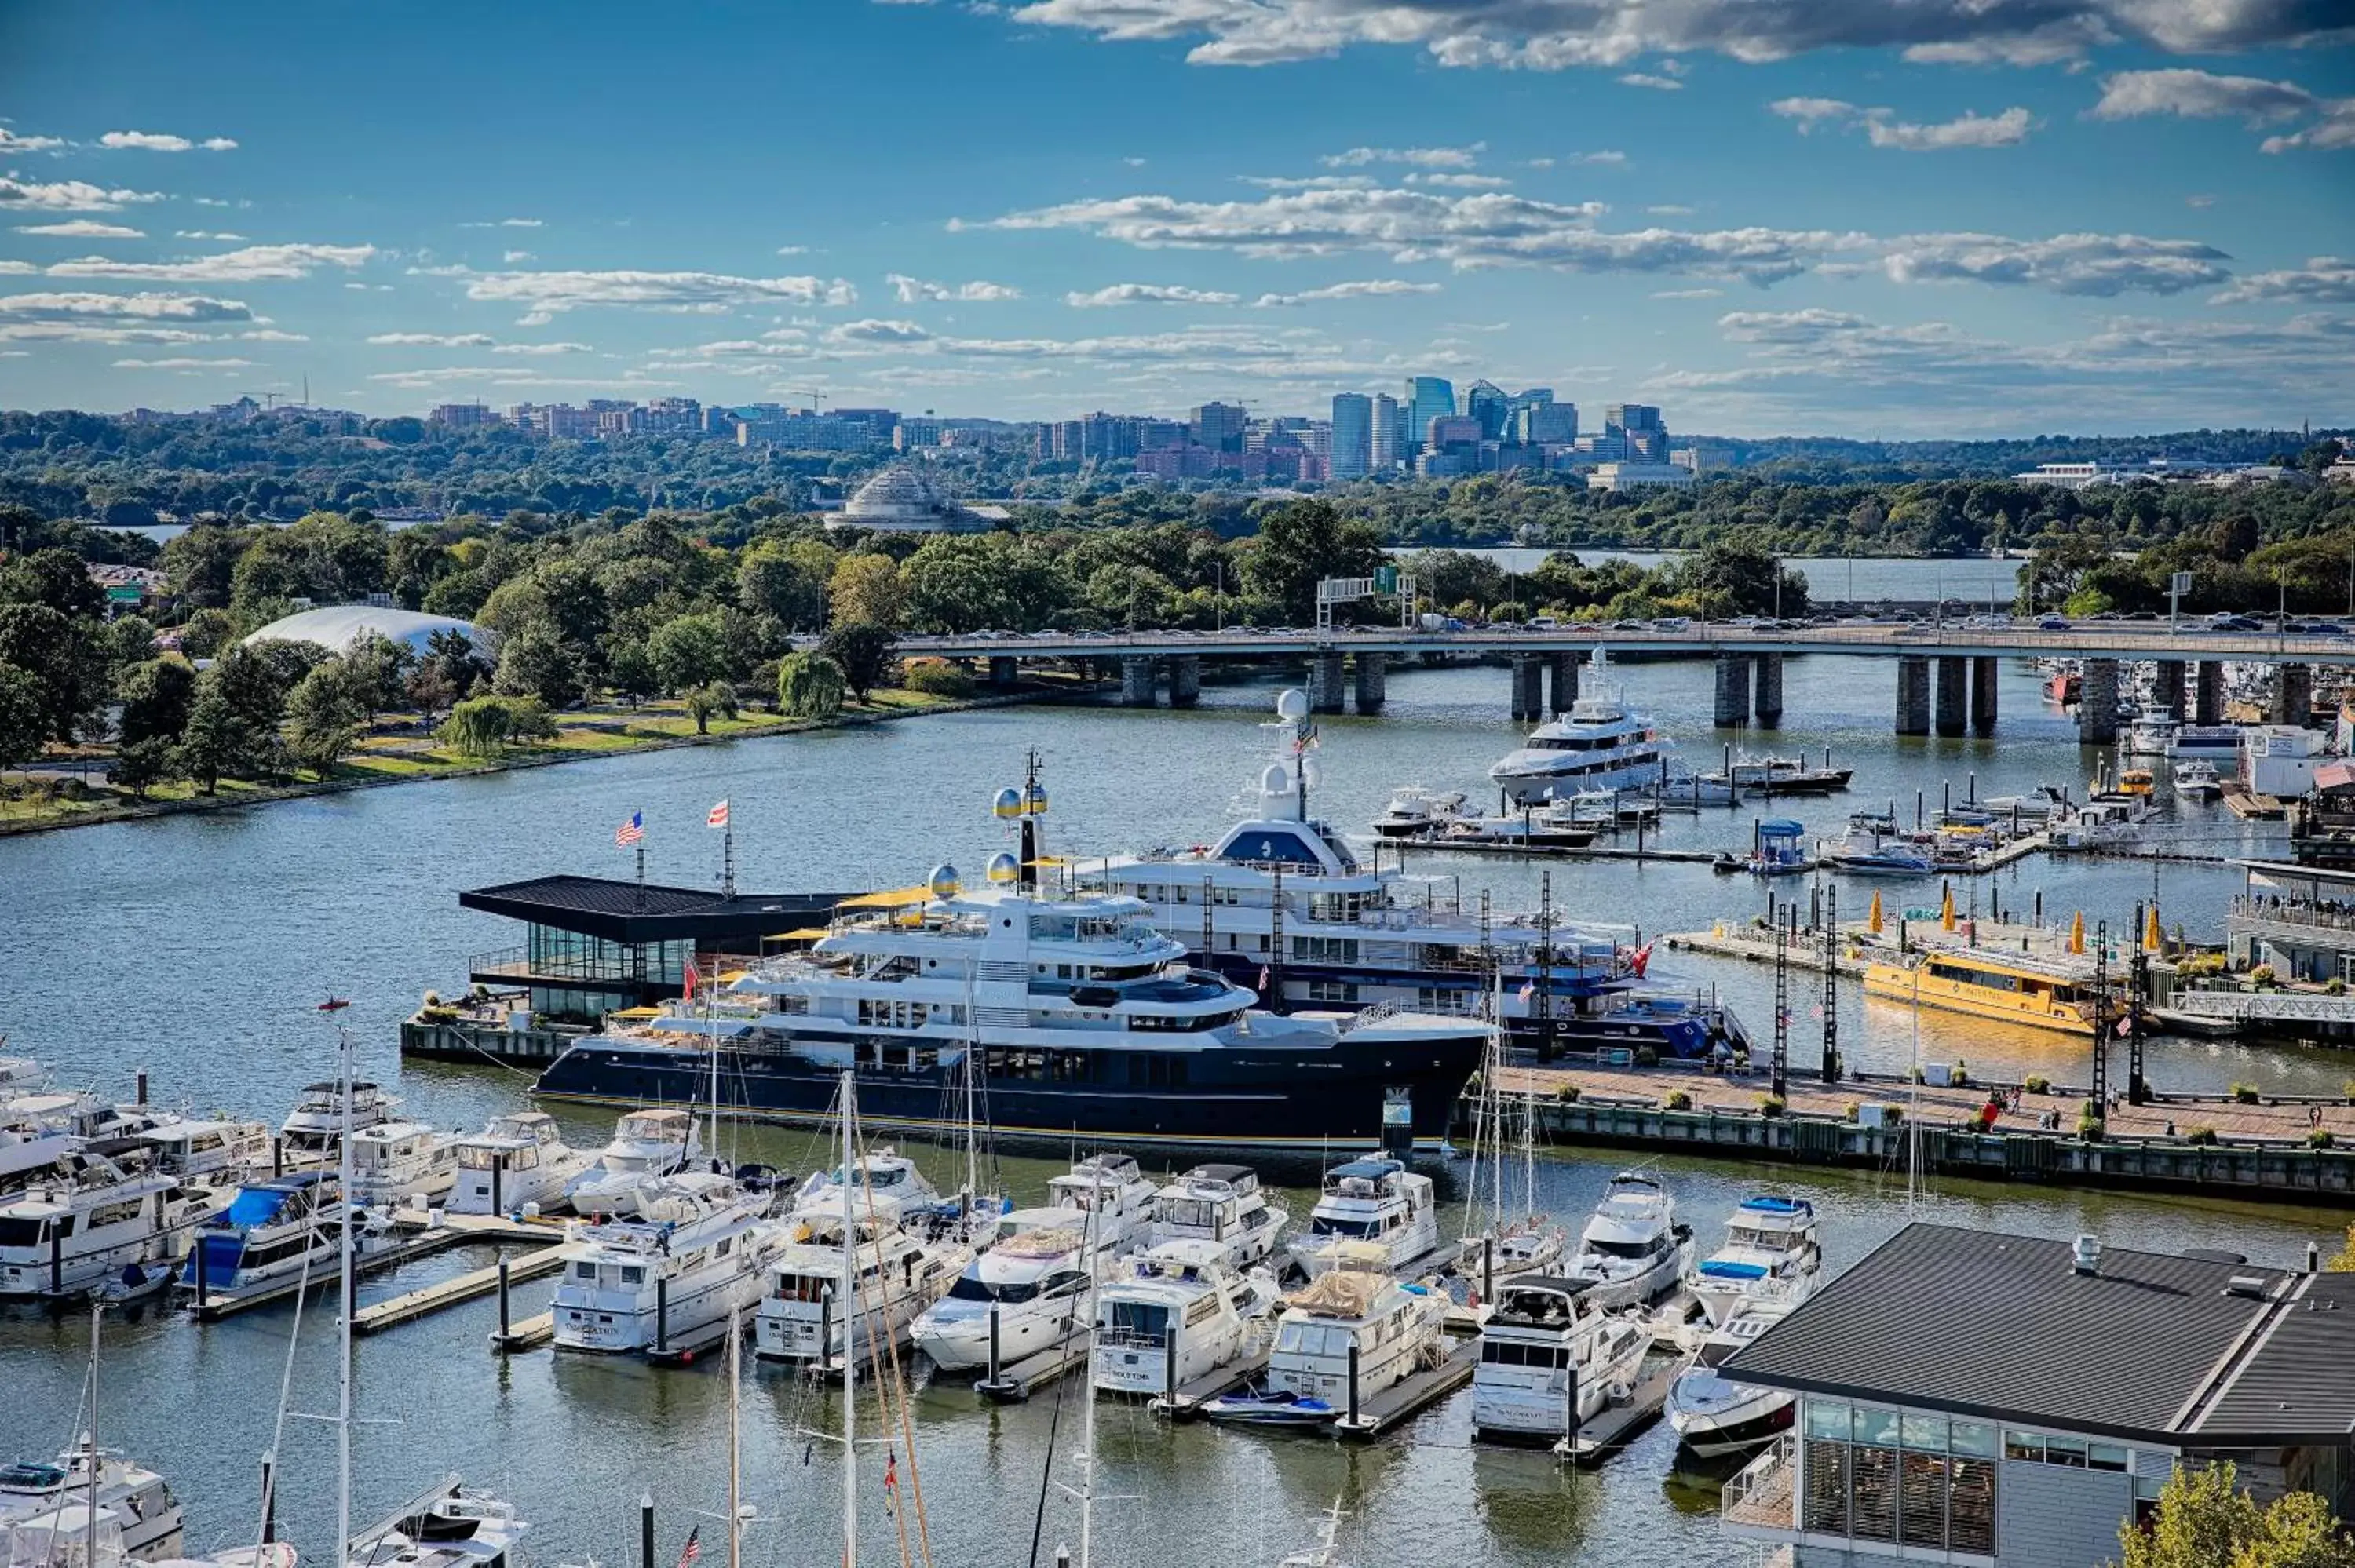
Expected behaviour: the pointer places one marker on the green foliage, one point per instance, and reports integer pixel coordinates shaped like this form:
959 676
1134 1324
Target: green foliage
207 632
866 589
326 715
2037 1084
485 726
691 650
23 722
156 696
1770 1105
809 685
2205 1520
631 670
1676 1100
535 662
939 677
1301 542
703 702
55 576
2199 1134
60 655
772 581
214 741
2245 1094
861 651
2320 1138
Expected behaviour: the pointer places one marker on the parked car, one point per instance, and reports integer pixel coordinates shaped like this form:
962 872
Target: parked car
2051 623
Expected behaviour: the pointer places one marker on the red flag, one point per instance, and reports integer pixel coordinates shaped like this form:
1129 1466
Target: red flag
716 817
691 977
1640 959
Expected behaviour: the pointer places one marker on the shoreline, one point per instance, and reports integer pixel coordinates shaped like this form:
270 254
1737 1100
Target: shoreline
544 757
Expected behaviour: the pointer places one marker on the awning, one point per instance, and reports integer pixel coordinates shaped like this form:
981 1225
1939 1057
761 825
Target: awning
895 898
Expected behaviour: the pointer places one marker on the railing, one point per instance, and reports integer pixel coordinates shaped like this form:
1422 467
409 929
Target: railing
1762 1496
2288 1006
2293 912
518 963
1132 1338
1373 1014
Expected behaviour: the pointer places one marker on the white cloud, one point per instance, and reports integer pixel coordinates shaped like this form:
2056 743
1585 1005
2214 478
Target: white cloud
164 142
546 295
1883 129
1147 294
2325 280
1365 289
183 364
2252 101
1657 83
255 263
432 339
1311 182
2101 265
67 196
17 268
1687 293
1607 157
10 142
1133 163
512 256
543 349
1461 181
222 235
271 335
793 250
82 229
142 318
1421 157
910 290
1671 209
507 223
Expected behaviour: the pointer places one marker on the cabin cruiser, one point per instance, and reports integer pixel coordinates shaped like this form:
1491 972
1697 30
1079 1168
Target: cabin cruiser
1770 1254
37 1125
1772 776
1714 1416
1221 1204
646 1144
98 1212
1111 1188
1632 1251
451 1526
900 1274
1376 1201
270 1230
401 1161
1033 1285
692 1251
887 1188
1876 857
2197 779
1597 744
2152 734
1089 1025
1550 1359
130 1495
1395 1329
309 1134
192 1147
1182 1308
1416 812
519 1159
2044 801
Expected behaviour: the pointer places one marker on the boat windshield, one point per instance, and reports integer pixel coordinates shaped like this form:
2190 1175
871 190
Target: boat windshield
1312 1339
1618 1248
1331 1225
1013 1292
16 1233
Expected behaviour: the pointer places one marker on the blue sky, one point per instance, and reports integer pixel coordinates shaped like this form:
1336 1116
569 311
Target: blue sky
1904 218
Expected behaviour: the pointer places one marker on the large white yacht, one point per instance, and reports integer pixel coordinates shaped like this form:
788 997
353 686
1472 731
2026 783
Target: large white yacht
886 1188
1221 1204
1551 1360
1395 1328
99 1213
1714 1416
309 1134
693 1251
270 1230
135 1497
1090 1025
1632 1251
1598 744
1034 1283
401 1161
2151 734
519 1159
646 1145
1180 1306
207 1149
1111 1188
1770 1254
900 1274
1376 1202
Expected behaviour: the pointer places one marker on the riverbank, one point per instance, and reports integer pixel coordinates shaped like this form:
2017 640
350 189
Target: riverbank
405 754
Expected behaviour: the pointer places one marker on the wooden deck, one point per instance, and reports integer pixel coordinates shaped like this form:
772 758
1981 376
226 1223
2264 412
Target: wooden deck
1403 1400
1613 1426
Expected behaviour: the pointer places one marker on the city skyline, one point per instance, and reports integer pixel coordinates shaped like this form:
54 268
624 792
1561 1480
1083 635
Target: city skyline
2098 218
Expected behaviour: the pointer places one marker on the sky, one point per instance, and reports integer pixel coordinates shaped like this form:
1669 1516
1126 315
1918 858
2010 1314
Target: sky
1894 219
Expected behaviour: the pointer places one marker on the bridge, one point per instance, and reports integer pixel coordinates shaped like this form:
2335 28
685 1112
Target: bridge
1945 670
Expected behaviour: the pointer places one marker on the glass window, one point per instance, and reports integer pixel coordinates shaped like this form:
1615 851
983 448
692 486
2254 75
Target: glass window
1873 1497
2070 1451
1925 1432
2106 1457
1876 1425
1973 1438
1970 1504
1826 1504
1924 1498
2023 1445
1827 1418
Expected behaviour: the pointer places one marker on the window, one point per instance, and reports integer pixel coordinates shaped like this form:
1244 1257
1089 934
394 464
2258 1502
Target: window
1907 1478
634 1274
2023 1445
2104 1457
1333 991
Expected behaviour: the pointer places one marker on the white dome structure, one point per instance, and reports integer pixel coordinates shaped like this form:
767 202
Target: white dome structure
336 627
902 500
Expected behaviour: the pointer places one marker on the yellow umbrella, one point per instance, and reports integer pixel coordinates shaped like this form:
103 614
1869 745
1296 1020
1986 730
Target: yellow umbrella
2153 940
2077 933
1873 920
1947 908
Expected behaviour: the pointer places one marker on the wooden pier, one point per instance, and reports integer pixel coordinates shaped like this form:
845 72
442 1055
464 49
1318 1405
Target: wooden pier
1015 1381
1551 852
1616 1424
545 1260
1380 1413
418 1239
1187 1402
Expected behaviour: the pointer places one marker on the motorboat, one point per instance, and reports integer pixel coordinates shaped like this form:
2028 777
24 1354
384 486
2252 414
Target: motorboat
1026 1294
134 1498
270 1230
2065 684
900 1274
519 1159
1415 812
1771 1253
1222 1203
1393 1327
1530 828
199 1148
1685 788
1597 744
886 1188
97 1211
646 1145
2152 734
1772 776
1376 1202
1714 1416
1181 1309
2111 822
2195 778
1877 856
451 1526
2137 782
401 1161
1632 1250
691 1252
310 1133
2215 743
2043 802
1108 1198
1550 1360
1778 848
37 1126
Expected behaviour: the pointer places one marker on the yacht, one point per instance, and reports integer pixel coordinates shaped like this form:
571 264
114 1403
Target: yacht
37 1125
646 1144
1770 1254
1033 1286
135 1498
1772 776
1182 1311
1713 1415
1089 1025
1416 812
2197 779
1632 1251
1598 744
309 1134
519 1159
99 1213
2151 734
1111 1188
1221 1204
2214 743
270 1230
1550 1360
1875 856
1394 1328
2046 801
889 1189
195 1147
1376 1201
401 1162
900 1274
449 1527
691 1253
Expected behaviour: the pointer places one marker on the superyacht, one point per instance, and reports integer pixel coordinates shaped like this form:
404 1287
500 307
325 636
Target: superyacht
1598 744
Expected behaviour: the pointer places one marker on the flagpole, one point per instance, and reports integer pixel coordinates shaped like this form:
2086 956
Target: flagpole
728 858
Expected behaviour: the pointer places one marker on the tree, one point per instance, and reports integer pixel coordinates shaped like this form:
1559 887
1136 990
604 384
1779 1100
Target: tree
769 582
127 640
429 691
483 727
632 670
861 651
809 685
691 650
375 670
213 742
56 578
866 589
454 656
59 655
713 697
22 719
139 765
2202 1521
207 632
156 697
201 564
537 664
326 715
1301 543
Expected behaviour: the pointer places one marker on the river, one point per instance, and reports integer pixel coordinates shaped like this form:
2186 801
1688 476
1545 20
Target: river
195 946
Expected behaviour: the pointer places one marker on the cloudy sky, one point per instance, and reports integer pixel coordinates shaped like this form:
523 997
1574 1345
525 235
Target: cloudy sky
1898 217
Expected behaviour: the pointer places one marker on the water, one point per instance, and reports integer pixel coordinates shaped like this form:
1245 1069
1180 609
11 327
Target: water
197 946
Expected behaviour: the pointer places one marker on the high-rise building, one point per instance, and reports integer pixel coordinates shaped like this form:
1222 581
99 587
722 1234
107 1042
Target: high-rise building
1389 432
1428 397
1643 436
1487 402
1546 424
1353 435
1221 426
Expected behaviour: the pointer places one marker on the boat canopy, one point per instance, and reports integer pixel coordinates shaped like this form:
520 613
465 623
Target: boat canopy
1722 1268
1770 1203
1781 827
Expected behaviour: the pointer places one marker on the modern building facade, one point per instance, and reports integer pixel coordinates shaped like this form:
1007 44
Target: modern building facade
1221 426
1352 452
1428 397
1490 405
1389 434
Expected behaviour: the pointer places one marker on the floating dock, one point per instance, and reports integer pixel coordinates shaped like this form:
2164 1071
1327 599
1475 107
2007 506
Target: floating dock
534 1265
1016 1381
1616 1424
1188 1402
418 1238
1402 1401
1550 851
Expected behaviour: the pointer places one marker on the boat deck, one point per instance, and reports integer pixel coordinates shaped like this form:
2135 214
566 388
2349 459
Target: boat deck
1016 1381
424 1240
1188 1402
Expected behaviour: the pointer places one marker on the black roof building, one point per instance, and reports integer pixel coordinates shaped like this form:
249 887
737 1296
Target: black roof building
633 912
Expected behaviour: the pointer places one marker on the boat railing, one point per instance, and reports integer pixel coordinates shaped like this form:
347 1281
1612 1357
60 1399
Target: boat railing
1133 1339
1762 1494
1374 1014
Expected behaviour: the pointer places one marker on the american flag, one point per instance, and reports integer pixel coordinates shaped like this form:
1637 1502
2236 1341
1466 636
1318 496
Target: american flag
694 1547
631 831
718 817
1529 989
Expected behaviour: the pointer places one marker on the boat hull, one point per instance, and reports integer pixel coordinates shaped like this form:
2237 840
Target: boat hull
1713 1418
2025 1009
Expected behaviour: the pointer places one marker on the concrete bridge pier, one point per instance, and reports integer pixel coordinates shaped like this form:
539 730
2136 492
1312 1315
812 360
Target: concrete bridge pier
1373 682
2292 693
1565 682
1136 683
2097 703
2208 691
2166 685
1912 694
1984 674
1185 680
1768 688
1326 692
1003 670
1953 695
1529 688
1732 690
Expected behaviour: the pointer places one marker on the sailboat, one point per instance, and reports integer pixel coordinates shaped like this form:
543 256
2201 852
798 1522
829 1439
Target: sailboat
1496 1246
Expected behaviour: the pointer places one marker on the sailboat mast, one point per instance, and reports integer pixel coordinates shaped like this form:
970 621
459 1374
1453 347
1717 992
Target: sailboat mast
344 1297
90 1548
849 1319
735 1464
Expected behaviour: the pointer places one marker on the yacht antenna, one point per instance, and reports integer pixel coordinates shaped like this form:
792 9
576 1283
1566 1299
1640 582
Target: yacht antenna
849 1339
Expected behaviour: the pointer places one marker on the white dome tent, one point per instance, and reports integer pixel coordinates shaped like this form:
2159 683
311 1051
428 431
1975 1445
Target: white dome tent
336 627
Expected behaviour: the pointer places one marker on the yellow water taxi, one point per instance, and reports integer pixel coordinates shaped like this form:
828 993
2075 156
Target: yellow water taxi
2136 781
2031 990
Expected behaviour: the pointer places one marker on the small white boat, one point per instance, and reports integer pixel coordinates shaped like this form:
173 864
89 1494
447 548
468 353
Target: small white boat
1182 1308
1632 1251
310 1131
401 1162
1875 856
693 1252
2152 734
136 1499
2197 779
646 1145
519 1159
1714 1416
1034 1284
1550 1360
1377 1201
449 1527
1416 812
2045 800
900 1274
1221 1204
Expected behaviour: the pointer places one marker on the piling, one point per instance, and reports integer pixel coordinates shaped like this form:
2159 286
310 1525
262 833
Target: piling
142 1091
1169 1363
1353 1381
992 1344
646 1530
506 1327
662 1316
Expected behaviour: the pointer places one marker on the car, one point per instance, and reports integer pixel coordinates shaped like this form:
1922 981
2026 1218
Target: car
2051 623
1672 624
1626 626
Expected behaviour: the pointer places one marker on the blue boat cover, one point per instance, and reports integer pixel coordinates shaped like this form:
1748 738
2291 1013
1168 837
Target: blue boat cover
1781 827
1715 1269
1767 1203
1373 1169
255 1206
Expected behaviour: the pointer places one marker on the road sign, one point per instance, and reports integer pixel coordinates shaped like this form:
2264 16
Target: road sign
2180 583
1386 580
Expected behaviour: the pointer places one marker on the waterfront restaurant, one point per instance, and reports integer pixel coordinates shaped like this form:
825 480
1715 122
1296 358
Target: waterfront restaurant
2300 920
1998 1401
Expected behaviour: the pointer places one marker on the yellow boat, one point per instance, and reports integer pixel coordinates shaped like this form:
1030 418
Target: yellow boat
2136 781
2034 991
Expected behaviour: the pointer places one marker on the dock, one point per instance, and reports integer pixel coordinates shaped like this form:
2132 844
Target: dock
418 1238
1016 1381
1187 1402
466 1287
1613 1426
1551 852
1380 1413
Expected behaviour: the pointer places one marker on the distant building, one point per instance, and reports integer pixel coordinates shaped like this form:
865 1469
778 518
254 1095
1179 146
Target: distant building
1546 424
1642 434
337 627
1221 426
1700 460
901 500
461 417
1389 443
1176 462
1353 435
1489 404
1428 397
1627 476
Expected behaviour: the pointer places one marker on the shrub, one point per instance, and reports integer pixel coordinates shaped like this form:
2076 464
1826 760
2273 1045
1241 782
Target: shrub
2335 986
1961 1077
2203 1134
2089 1121
809 685
2201 966
437 1015
432 999
2037 1084
483 727
1770 1105
1893 1116
2262 975
1854 1110
1567 1093
2319 1139
712 699
937 677
1918 1075
1676 1100
1645 1056
2245 1094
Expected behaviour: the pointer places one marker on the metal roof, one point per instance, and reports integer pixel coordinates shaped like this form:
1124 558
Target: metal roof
2181 1351
632 912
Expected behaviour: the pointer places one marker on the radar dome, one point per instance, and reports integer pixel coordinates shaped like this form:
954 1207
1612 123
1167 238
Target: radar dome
1275 780
1034 798
1292 703
1006 804
945 883
1312 770
1003 867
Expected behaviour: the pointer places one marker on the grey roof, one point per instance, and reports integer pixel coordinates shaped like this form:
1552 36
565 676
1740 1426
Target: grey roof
627 912
2150 1345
